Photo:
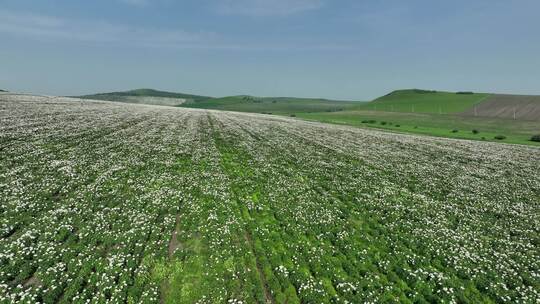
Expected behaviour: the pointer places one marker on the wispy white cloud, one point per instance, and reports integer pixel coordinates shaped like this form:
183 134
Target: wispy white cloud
259 8
43 27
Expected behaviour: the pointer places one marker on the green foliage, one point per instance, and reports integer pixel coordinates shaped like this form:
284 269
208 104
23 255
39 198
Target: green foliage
433 124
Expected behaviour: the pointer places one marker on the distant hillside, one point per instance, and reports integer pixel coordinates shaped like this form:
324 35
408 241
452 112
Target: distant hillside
274 105
522 107
241 103
458 103
3 90
148 96
425 101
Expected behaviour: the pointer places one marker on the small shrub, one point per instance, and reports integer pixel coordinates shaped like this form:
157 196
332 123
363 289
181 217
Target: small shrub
383 123
536 138
418 91
500 137
474 131
416 127
370 121
398 126
455 131
483 138
293 115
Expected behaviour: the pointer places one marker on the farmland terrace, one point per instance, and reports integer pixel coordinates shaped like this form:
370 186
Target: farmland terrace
114 202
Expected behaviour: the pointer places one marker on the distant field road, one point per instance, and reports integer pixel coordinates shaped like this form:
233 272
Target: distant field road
520 107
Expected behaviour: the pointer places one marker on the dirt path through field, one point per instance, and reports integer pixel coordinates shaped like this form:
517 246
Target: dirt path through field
174 243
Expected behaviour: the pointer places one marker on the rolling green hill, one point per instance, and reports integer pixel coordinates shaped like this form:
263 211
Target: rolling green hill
147 96
272 105
424 101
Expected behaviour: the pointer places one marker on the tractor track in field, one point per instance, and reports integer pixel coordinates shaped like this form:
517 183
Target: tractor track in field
174 244
267 293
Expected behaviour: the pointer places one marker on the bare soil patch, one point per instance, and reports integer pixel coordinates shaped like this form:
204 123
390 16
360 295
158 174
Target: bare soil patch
32 281
174 243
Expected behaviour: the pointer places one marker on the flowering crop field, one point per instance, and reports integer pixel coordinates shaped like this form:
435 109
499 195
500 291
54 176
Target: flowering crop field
103 202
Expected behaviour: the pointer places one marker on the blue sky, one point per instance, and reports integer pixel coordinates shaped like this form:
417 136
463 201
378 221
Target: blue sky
346 49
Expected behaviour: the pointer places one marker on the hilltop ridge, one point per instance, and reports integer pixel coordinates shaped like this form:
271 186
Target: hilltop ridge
147 96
